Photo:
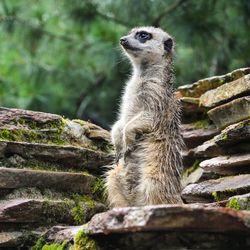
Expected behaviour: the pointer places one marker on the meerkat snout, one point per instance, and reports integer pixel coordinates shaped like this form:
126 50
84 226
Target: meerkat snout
123 41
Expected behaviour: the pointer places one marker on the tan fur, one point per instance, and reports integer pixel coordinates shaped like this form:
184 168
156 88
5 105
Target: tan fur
147 136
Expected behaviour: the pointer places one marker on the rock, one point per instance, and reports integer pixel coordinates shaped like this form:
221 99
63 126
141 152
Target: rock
195 136
229 113
226 92
239 202
162 240
168 227
223 143
191 106
234 134
63 155
208 149
211 149
187 158
10 239
62 181
193 177
12 116
198 88
51 139
228 164
46 212
215 190
169 217
61 233
18 239
197 175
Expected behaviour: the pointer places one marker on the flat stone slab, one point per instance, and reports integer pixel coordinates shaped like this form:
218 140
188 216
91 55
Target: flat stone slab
211 149
62 181
194 137
9 239
226 92
229 113
198 88
208 149
44 212
228 164
234 134
218 189
224 143
191 106
61 233
66 155
159 227
51 137
18 239
169 218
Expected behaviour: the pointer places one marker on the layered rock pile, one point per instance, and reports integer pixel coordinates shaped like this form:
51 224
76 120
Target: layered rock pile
50 185
49 168
216 128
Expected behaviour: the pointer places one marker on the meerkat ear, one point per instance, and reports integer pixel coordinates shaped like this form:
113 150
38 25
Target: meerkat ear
168 44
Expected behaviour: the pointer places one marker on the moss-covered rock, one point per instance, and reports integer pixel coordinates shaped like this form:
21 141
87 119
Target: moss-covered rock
83 241
42 245
239 202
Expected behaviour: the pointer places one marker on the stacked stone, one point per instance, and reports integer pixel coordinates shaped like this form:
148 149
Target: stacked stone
49 179
216 129
49 174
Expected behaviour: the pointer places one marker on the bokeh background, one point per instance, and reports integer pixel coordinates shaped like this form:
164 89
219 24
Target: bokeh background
62 56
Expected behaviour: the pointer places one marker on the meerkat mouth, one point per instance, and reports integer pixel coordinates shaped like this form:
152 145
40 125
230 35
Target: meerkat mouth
129 47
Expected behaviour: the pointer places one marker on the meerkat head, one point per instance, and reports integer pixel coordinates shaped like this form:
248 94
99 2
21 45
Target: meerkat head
147 45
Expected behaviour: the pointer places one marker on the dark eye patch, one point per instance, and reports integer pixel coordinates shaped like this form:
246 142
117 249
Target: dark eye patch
168 44
143 36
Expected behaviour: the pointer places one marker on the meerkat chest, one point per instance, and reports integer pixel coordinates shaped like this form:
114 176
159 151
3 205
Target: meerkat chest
131 104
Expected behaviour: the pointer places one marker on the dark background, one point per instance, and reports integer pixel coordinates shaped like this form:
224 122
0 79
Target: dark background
63 56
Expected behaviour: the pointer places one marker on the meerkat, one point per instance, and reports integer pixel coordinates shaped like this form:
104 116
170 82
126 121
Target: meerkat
147 136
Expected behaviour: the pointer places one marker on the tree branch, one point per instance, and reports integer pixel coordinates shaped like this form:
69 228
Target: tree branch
168 10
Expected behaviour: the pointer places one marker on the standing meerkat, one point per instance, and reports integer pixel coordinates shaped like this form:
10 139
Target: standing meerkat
147 136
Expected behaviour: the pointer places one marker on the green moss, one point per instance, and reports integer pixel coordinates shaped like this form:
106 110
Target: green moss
52 211
82 203
49 166
31 131
56 246
192 168
98 190
201 123
216 196
42 245
224 136
81 122
233 203
39 244
83 241
32 136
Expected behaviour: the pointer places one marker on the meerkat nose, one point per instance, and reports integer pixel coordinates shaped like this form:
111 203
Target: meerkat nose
123 41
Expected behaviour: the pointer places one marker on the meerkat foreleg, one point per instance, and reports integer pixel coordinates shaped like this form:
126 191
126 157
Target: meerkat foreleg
135 129
116 137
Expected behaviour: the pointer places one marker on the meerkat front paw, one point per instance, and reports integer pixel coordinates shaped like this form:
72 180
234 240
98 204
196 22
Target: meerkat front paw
129 138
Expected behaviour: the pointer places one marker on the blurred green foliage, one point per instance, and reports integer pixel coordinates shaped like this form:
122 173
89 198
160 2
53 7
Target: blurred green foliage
63 56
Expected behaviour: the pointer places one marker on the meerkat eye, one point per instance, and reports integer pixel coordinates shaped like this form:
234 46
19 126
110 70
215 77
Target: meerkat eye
143 36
